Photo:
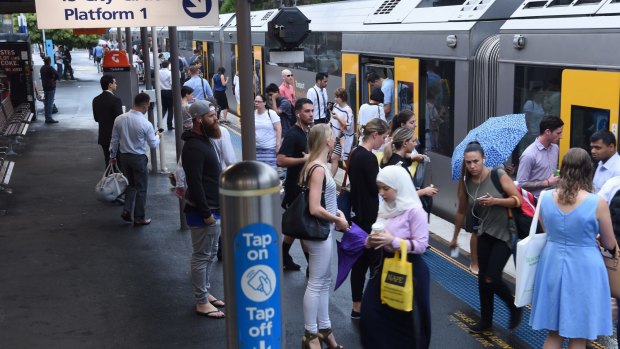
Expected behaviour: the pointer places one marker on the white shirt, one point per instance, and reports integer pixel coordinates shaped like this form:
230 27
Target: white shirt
165 79
609 189
605 171
265 129
318 96
369 112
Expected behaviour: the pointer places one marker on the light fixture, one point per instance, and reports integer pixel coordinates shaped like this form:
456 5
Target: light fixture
518 41
451 41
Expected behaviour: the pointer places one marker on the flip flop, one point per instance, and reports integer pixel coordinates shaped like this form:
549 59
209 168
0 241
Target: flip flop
218 303
210 314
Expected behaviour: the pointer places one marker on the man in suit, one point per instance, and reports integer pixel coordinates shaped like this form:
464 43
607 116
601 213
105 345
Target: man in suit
106 107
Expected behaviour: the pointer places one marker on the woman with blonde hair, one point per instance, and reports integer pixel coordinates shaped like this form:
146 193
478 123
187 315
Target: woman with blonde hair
571 288
316 299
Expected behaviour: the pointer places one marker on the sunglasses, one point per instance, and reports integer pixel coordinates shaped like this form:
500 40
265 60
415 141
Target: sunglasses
288 76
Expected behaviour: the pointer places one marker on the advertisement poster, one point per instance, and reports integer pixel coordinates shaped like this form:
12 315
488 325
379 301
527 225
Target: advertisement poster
16 73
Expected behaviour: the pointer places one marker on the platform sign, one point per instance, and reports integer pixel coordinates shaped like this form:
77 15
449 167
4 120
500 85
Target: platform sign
258 299
58 14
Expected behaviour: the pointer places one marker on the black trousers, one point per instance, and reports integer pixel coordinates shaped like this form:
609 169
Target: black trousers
68 71
492 257
167 107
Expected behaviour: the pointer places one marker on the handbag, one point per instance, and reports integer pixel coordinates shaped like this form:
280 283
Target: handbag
111 185
612 261
528 254
297 222
397 280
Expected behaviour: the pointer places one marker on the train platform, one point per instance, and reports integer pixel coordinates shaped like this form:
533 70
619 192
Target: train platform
73 274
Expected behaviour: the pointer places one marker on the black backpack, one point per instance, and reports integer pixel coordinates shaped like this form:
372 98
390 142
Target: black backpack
522 217
614 209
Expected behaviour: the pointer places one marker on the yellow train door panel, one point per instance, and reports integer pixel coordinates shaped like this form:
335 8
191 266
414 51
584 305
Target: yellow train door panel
590 102
205 61
406 84
350 75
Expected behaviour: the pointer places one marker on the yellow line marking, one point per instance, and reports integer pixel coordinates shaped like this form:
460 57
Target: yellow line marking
249 192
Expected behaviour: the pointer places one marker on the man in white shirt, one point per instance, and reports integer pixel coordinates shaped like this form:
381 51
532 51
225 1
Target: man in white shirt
603 149
318 95
387 87
165 83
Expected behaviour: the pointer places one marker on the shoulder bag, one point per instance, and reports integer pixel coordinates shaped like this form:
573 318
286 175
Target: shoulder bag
112 184
297 222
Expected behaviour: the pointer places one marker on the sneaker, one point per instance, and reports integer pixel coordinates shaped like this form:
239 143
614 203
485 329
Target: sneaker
480 327
51 121
515 318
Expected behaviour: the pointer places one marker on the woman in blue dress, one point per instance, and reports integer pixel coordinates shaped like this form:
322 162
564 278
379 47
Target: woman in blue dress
571 290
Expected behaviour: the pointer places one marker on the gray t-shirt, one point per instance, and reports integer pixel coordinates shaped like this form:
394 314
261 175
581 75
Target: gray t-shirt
493 220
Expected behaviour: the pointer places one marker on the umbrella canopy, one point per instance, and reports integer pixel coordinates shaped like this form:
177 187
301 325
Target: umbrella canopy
498 136
349 250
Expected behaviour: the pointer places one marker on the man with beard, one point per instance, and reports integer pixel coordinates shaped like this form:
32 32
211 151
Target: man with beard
293 154
130 135
202 168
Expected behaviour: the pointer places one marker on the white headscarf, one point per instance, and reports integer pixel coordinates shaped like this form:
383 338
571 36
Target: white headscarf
397 178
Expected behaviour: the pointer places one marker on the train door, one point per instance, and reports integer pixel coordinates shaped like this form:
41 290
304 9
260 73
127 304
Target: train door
590 102
384 67
350 74
406 85
258 69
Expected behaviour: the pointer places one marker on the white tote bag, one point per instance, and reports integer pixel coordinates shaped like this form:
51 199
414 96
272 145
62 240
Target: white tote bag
112 184
528 254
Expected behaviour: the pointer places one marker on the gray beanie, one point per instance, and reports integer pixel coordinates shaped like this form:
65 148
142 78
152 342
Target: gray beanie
200 108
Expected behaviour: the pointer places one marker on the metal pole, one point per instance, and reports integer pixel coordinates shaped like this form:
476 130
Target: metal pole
129 44
156 63
252 262
244 40
177 107
119 38
148 85
44 48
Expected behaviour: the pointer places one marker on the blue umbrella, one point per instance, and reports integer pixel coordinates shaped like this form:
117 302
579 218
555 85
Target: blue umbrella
349 250
498 136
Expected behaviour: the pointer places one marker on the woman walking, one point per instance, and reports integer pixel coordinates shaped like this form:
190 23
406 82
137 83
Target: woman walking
219 82
571 288
363 170
316 299
477 194
342 125
404 218
268 132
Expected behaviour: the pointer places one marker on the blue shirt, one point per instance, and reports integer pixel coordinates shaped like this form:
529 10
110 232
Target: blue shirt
387 87
130 134
196 83
98 51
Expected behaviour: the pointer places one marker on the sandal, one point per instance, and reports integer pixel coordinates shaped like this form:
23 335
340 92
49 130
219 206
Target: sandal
309 340
326 336
218 303
212 314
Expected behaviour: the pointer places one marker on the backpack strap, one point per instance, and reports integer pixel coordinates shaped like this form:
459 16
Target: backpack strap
496 182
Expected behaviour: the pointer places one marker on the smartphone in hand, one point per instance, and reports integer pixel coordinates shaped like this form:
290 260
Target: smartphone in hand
160 130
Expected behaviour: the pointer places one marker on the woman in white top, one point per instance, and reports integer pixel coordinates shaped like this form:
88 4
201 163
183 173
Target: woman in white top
236 89
342 126
371 110
268 132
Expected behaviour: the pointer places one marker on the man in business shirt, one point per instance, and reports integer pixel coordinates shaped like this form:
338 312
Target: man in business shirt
539 161
165 83
201 87
387 87
106 107
603 149
317 94
130 135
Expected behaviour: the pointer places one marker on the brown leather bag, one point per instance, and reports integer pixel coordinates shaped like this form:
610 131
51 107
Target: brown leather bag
612 263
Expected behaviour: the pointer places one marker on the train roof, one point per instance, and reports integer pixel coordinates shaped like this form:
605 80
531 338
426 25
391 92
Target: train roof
535 15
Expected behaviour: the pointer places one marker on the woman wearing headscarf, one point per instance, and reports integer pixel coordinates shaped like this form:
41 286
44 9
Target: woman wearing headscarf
404 219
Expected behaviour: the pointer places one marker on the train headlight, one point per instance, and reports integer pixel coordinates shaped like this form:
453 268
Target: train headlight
518 41
451 41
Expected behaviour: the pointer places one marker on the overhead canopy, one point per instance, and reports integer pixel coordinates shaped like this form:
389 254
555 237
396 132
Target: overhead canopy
17 6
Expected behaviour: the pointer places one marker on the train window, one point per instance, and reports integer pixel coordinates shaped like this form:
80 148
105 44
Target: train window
537 93
584 122
322 53
437 106
405 96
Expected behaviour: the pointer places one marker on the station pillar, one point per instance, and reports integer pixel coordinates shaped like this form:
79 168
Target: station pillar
249 203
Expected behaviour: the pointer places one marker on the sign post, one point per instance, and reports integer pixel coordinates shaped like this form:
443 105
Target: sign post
250 195
125 13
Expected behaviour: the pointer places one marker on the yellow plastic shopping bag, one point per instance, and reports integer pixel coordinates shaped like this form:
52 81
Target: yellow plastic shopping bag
397 280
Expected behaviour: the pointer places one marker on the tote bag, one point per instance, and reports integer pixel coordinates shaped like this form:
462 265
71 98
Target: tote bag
111 185
528 254
397 280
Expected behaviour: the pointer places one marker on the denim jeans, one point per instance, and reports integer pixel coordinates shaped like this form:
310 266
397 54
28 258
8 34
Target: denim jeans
59 70
204 245
49 102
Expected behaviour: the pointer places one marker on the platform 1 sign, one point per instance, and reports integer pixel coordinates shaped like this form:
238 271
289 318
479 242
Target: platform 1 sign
60 14
259 323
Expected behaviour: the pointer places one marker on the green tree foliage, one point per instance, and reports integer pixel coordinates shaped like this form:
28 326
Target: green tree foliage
63 37
229 5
